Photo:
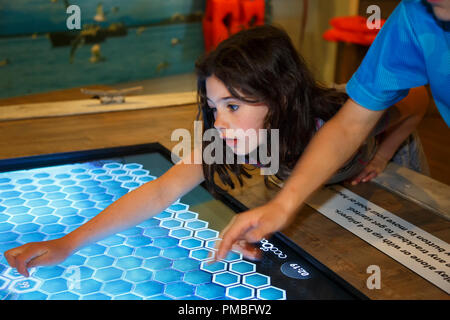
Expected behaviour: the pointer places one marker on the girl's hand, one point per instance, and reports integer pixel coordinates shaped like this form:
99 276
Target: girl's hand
250 227
372 170
37 253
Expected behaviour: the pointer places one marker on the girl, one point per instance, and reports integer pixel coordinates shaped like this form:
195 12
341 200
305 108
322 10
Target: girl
269 86
253 80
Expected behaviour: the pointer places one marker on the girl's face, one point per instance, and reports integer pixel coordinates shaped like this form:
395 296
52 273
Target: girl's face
232 114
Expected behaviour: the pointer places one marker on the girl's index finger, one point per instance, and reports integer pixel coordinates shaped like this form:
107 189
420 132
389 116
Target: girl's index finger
11 258
27 255
12 254
230 235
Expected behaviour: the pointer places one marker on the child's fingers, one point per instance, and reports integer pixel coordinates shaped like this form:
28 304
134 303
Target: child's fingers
249 250
22 260
231 233
370 176
11 255
263 230
228 226
359 177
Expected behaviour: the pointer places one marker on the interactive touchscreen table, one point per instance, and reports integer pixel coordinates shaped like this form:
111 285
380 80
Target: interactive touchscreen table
164 257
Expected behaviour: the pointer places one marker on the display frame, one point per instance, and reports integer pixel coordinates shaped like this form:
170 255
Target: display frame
54 159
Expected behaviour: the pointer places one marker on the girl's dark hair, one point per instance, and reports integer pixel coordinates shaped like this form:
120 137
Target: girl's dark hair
261 65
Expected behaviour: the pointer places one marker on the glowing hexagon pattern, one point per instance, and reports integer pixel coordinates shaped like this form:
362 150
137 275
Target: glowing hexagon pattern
165 257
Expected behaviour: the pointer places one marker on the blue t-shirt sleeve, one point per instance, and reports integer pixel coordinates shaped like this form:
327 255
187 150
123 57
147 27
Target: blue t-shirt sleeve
393 65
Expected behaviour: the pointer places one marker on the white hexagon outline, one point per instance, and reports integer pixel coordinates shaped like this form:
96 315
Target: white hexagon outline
153 295
170 228
165 218
203 263
59 191
244 279
72 171
6 284
91 171
227 292
124 276
51 295
242 261
106 165
183 237
184 212
258 295
72 194
215 275
216 234
27 203
82 179
96 270
174 283
191 252
190 248
5 273
14 282
206 223
175 211
145 174
21 224
52 203
239 258
125 173
207 243
127 165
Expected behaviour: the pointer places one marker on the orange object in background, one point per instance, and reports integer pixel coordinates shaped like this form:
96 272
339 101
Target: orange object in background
226 17
252 13
351 29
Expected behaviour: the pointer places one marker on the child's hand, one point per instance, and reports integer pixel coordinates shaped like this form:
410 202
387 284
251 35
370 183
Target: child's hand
37 253
372 170
250 227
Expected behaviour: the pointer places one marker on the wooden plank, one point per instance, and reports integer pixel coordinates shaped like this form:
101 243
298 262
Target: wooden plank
88 106
56 95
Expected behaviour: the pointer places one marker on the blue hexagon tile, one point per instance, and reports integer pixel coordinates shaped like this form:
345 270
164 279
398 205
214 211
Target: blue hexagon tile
165 257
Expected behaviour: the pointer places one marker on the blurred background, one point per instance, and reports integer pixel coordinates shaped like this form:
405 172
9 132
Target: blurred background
128 41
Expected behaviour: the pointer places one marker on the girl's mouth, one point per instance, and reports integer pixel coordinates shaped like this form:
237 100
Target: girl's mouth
231 142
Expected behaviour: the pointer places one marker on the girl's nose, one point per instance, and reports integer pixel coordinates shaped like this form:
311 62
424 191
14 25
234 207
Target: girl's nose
220 122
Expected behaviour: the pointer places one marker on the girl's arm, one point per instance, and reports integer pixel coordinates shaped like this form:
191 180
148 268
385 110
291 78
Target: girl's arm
131 209
139 204
404 117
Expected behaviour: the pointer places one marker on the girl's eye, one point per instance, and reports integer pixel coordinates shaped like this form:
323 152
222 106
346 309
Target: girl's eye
233 107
